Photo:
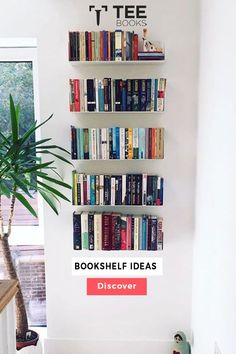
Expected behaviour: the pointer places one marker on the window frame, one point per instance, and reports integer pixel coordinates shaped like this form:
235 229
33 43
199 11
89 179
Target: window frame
25 50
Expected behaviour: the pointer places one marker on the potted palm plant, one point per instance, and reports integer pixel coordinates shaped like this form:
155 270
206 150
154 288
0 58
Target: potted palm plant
21 172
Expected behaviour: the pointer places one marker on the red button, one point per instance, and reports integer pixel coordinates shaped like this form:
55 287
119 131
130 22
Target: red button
116 286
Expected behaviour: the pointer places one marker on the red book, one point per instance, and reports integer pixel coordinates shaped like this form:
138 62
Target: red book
135 46
129 227
101 46
106 232
113 227
76 95
161 94
109 45
89 46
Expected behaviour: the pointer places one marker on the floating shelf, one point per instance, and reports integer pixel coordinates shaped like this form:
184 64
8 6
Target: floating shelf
119 206
116 160
122 112
129 62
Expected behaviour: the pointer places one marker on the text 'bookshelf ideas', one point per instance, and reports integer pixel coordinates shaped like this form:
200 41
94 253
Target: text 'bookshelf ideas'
112 231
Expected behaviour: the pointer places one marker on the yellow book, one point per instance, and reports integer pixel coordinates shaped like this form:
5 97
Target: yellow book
130 143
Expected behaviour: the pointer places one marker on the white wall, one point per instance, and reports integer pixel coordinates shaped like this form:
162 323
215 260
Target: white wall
214 289
151 320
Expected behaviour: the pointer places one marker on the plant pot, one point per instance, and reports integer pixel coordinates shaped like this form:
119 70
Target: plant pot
32 340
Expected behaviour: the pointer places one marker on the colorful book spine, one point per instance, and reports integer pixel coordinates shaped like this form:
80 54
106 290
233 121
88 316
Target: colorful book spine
115 231
111 95
117 143
131 189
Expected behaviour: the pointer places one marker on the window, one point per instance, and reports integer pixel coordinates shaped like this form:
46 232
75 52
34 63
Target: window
18 76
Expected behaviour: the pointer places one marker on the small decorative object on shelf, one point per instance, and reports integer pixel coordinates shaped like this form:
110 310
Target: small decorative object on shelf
150 51
113 231
181 346
107 46
117 95
117 143
127 189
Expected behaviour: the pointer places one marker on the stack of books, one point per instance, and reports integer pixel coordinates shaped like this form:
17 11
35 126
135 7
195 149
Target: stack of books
112 231
151 56
127 189
115 95
117 143
105 46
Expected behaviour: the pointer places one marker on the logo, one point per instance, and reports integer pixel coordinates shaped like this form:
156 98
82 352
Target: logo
98 12
125 15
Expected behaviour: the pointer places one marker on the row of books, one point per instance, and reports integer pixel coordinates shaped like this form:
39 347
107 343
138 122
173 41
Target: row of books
112 95
117 143
107 46
127 189
112 231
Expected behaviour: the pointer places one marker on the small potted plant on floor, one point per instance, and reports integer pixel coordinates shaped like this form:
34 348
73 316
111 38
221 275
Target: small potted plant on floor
21 172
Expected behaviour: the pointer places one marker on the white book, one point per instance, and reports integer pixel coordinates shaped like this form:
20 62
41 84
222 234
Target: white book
144 187
135 141
113 190
122 143
123 189
118 47
101 189
98 231
104 143
94 143
98 139
84 230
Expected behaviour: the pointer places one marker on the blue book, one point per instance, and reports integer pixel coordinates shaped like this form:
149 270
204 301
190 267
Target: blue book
77 231
128 46
142 143
156 95
81 140
100 96
105 44
153 233
114 143
117 143
144 233
140 233
124 96
92 190
162 190
148 94
142 94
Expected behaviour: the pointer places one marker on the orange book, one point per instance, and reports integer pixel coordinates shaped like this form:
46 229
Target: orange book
153 143
130 143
